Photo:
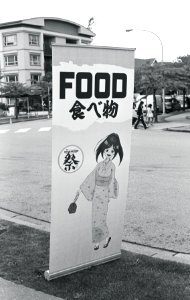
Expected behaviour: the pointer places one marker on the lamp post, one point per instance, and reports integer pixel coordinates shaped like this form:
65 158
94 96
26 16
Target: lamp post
162 58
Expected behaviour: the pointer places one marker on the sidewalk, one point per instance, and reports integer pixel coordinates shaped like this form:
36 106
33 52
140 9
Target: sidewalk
12 291
176 122
24 118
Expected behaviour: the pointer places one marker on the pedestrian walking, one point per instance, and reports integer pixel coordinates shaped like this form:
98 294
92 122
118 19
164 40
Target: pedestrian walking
149 115
140 116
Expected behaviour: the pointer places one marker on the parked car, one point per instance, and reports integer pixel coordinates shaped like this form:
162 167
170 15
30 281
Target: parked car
171 104
180 99
149 100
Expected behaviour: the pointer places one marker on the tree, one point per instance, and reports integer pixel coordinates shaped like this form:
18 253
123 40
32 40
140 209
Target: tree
184 59
177 77
43 88
149 79
15 90
170 76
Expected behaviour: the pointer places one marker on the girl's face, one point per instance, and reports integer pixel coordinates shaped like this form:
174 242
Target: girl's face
109 153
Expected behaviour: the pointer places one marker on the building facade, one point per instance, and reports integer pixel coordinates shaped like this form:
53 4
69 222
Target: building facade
25 46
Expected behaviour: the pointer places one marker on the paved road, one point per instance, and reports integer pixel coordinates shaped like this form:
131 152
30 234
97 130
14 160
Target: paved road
25 173
158 206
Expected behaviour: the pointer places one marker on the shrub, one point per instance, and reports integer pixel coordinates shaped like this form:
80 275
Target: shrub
3 106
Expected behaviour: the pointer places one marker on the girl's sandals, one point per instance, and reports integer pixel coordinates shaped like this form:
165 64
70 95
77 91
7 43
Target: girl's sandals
96 247
105 245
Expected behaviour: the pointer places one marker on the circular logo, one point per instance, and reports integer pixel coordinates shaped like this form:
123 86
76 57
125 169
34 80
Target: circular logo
70 159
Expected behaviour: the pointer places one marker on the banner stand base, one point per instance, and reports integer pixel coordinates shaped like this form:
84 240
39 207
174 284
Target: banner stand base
49 276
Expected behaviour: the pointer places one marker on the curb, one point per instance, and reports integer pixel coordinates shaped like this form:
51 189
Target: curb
169 255
24 220
164 254
177 130
10 120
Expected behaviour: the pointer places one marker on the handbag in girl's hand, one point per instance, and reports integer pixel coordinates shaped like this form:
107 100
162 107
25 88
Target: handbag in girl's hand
72 208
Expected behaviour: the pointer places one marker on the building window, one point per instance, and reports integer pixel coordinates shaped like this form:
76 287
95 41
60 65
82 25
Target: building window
34 40
85 42
35 59
71 41
11 60
12 78
35 78
9 40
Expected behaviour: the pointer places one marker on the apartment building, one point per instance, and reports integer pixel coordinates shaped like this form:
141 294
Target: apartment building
25 46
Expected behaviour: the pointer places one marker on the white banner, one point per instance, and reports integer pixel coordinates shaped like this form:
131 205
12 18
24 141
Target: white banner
92 112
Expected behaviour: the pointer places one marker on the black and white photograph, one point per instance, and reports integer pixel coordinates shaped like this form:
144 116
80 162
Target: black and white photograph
94 150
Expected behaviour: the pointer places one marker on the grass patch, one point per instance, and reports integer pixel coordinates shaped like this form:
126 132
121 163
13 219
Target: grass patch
25 250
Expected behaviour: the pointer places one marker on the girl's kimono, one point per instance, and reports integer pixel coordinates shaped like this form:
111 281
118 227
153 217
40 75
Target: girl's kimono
99 186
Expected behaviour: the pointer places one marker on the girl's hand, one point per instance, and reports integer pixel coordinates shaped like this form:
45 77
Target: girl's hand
77 195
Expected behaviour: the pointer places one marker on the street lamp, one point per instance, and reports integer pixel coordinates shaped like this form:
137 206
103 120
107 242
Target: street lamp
162 58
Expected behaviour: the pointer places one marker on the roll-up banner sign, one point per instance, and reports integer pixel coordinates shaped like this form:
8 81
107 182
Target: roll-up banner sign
91 140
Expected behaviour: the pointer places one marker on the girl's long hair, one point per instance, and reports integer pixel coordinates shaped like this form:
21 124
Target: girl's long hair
111 140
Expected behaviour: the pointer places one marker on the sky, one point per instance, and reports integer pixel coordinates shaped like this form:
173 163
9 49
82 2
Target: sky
156 24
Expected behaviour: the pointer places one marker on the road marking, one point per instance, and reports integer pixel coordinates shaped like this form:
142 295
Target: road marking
4 130
45 129
23 130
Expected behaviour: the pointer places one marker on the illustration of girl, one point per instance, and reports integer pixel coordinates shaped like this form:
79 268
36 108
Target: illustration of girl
101 185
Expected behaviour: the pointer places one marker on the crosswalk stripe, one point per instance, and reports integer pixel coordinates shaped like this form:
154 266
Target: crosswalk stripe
23 130
4 130
44 129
